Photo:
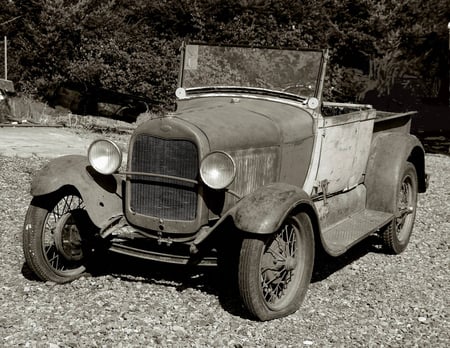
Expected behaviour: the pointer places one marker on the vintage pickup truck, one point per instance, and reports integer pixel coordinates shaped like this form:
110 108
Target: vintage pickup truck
252 160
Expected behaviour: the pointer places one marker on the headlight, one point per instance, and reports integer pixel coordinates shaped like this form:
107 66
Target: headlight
105 156
218 170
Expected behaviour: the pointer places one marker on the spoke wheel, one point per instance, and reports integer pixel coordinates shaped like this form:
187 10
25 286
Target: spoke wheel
56 236
275 271
397 234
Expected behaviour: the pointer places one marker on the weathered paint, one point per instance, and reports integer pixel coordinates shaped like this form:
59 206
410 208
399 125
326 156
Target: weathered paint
296 161
256 125
254 168
393 122
344 151
270 141
241 123
388 155
264 210
102 194
309 185
340 206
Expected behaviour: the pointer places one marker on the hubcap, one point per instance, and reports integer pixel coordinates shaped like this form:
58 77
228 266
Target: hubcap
68 239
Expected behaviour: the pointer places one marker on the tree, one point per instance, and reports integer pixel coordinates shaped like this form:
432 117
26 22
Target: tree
414 42
132 46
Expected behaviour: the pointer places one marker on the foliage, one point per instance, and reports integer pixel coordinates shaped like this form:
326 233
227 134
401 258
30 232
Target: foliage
413 40
132 46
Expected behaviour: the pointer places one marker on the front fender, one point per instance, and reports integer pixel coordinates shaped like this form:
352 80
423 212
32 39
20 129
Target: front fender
264 210
102 194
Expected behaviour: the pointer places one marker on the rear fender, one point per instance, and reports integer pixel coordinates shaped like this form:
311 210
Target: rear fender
389 152
263 211
102 194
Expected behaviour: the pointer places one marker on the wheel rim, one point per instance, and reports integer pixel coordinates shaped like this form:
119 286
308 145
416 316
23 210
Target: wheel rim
61 239
67 237
281 266
406 207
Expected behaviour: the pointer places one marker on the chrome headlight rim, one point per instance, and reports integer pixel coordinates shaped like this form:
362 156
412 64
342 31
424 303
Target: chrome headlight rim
230 178
115 154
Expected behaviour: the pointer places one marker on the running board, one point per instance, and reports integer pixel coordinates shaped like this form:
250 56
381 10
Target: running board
339 238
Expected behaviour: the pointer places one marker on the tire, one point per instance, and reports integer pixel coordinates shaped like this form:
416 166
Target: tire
58 236
228 250
271 288
397 234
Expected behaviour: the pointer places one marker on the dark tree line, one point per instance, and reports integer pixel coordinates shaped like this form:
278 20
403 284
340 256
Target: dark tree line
132 46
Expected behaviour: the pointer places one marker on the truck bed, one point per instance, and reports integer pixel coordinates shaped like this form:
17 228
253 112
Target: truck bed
384 121
393 121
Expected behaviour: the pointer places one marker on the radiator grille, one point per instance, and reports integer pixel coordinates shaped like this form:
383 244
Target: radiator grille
161 197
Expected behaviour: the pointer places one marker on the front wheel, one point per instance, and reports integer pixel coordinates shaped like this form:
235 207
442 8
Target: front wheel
58 236
397 234
275 270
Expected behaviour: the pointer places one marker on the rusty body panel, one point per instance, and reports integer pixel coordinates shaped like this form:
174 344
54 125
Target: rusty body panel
269 142
238 123
101 194
270 130
264 210
389 152
336 207
345 147
393 122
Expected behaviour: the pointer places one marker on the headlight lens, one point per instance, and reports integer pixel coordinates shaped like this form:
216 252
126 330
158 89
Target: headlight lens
105 156
218 170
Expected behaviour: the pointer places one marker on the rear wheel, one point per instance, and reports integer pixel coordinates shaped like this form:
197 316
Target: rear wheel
58 236
397 234
275 270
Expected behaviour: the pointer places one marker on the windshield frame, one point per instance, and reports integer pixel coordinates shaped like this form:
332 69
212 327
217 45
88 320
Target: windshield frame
318 85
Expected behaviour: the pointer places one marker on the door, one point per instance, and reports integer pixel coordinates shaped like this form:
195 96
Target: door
344 150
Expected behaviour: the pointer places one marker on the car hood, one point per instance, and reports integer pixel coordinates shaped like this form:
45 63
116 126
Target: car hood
239 123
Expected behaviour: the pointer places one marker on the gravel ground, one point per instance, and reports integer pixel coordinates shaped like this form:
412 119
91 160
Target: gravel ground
365 298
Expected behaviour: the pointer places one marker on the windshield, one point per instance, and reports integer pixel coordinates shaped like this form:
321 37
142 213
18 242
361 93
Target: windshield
290 71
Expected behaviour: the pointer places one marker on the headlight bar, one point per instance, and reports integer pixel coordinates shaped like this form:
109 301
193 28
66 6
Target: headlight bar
191 181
